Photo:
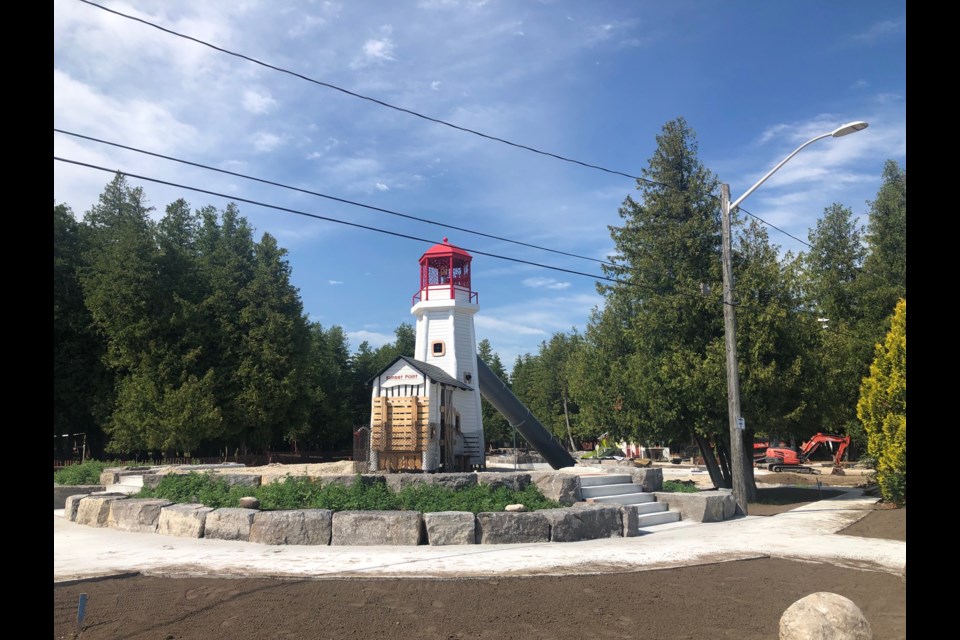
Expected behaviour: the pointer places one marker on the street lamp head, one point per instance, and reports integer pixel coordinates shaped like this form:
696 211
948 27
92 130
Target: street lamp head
850 127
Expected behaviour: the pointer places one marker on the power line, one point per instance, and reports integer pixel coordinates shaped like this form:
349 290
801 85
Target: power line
413 113
367 98
334 220
334 198
410 237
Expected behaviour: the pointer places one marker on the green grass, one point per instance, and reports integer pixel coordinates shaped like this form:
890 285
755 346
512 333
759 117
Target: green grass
87 472
680 486
310 493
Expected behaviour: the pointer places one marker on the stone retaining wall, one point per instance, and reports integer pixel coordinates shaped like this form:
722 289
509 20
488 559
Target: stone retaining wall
323 527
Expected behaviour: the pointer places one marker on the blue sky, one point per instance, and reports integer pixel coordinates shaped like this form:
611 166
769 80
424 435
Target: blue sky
594 81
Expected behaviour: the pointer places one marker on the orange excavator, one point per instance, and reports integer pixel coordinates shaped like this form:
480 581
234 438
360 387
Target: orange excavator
787 459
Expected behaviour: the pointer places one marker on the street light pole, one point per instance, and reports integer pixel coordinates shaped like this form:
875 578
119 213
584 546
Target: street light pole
737 425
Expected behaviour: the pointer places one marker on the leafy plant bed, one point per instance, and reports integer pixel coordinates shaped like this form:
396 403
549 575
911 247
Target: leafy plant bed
313 493
87 472
680 486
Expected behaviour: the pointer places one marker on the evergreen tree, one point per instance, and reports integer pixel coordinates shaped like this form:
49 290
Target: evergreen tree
885 267
883 409
496 429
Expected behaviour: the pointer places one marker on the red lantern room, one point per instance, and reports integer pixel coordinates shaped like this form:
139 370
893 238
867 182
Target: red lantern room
445 274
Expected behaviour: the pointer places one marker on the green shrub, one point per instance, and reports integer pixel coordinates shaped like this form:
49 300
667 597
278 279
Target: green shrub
310 493
883 409
87 472
680 486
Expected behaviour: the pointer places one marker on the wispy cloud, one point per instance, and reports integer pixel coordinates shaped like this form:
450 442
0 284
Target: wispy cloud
881 29
546 283
489 323
377 50
264 142
382 187
258 102
373 338
334 282
859 84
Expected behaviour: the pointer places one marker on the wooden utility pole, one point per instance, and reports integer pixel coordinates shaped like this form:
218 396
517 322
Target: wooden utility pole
733 373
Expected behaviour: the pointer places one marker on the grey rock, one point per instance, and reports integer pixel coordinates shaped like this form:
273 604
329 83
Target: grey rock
584 522
229 524
249 502
562 487
240 479
703 506
63 491
367 480
301 527
515 481
450 527
651 479
508 528
183 520
94 509
824 616
377 528
71 505
136 514
630 519
455 481
109 476
152 480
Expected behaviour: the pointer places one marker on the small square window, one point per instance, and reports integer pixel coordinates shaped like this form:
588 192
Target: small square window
437 348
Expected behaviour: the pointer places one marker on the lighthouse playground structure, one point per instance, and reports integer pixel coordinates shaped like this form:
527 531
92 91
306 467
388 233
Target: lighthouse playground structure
425 410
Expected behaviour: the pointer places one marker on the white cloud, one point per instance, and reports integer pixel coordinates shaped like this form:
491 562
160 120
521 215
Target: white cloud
489 323
435 85
334 282
314 155
382 187
258 102
265 142
377 50
859 84
881 29
376 340
546 283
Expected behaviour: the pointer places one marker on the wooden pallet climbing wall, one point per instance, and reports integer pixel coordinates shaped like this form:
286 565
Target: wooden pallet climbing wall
400 430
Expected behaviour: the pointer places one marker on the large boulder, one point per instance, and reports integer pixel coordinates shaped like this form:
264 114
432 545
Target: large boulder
499 527
110 476
63 491
72 505
824 616
511 480
584 522
183 520
651 479
240 479
377 528
94 509
367 480
703 506
450 527
303 526
136 514
454 481
630 518
562 487
229 524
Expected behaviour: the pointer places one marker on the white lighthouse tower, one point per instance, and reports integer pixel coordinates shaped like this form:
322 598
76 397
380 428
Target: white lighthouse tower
444 307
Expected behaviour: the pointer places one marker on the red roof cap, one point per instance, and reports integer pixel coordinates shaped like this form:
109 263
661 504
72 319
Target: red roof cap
445 249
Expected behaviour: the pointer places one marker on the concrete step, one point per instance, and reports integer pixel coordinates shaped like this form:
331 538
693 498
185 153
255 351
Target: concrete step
609 490
128 484
649 507
650 519
624 498
604 479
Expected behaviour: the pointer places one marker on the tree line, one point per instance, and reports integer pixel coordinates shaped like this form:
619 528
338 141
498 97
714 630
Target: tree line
650 365
184 335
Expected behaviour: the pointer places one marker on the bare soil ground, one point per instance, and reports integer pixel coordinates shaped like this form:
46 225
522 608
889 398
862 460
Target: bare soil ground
742 600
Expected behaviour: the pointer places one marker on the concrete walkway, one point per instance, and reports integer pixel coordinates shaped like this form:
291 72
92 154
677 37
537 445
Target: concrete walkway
806 533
